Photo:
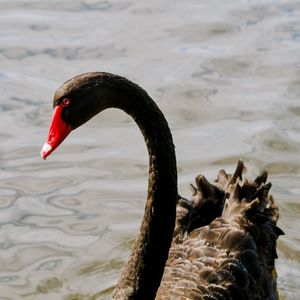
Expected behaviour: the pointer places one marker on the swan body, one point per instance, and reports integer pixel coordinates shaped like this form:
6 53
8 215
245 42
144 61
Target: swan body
221 244
230 256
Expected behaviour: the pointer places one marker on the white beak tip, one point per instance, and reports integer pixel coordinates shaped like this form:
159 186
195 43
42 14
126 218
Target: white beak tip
46 150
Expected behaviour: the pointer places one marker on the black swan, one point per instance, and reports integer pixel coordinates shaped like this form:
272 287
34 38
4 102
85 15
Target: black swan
221 244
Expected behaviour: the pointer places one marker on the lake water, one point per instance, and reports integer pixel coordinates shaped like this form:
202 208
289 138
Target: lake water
226 75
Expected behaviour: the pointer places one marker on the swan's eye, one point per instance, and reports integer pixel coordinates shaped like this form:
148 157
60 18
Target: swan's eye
65 102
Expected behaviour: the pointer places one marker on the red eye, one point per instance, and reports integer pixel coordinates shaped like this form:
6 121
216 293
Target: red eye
65 102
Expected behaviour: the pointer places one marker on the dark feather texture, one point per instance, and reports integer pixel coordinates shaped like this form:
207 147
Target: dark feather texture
224 242
223 245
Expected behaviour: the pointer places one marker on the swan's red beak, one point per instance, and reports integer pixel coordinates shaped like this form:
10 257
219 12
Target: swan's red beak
58 131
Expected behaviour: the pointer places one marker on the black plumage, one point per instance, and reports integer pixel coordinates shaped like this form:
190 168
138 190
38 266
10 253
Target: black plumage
221 244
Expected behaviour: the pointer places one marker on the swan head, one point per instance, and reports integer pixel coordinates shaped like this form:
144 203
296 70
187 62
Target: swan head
74 103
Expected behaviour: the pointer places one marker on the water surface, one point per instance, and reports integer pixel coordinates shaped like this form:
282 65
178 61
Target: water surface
227 77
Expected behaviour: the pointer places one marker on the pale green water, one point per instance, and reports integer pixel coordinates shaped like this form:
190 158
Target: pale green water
227 77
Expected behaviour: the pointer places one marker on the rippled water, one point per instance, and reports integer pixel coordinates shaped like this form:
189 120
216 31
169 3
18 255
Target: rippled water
227 77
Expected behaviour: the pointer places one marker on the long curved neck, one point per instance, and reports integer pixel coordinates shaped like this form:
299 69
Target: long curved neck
142 275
